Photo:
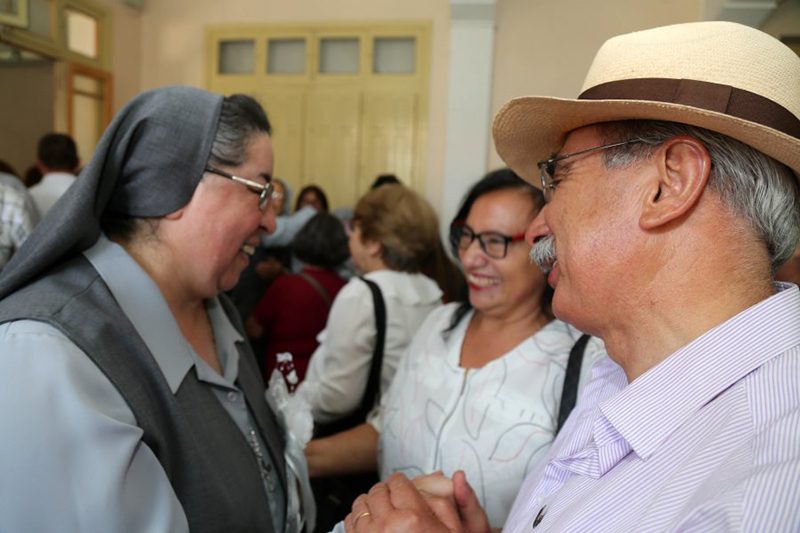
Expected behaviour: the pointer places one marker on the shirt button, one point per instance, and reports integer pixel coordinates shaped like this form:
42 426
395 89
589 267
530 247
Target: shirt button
539 517
232 396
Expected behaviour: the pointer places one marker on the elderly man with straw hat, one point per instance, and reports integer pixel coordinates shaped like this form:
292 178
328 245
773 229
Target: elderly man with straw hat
672 188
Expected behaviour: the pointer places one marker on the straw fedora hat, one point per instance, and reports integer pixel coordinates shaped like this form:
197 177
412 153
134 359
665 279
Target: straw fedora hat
721 76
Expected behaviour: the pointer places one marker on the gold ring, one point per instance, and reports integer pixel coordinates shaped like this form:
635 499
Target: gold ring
359 517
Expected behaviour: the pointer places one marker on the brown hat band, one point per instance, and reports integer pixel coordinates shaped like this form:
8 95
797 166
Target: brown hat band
703 95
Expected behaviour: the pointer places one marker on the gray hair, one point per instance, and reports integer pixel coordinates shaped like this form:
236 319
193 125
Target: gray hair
753 185
241 117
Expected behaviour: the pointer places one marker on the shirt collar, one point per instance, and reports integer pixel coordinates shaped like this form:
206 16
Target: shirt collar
655 404
411 289
142 302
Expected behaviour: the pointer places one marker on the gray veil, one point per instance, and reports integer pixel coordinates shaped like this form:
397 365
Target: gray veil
147 164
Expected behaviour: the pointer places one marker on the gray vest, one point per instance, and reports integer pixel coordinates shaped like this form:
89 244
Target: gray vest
207 459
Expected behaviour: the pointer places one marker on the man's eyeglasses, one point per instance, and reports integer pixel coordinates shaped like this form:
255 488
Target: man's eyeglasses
493 244
548 167
263 190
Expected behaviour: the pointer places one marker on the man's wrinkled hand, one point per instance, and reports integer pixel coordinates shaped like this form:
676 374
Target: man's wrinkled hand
431 503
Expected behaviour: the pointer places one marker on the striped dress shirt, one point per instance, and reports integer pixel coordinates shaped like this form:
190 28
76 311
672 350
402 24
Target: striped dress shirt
708 440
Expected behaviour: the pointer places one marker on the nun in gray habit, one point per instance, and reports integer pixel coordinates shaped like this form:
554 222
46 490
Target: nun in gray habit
129 399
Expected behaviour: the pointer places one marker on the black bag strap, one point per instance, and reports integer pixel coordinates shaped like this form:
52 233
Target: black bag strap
318 287
372 392
569 393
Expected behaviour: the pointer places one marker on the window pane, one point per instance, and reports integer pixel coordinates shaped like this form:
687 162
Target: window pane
39 15
338 56
87 126
286 56
236 57
81 33
9 6
87 84
394 55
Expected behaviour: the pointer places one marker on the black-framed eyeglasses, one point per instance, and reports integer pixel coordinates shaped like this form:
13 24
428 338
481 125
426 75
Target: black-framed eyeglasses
548 167
263 190
493 244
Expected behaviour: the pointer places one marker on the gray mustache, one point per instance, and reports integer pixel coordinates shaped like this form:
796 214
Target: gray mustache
543 253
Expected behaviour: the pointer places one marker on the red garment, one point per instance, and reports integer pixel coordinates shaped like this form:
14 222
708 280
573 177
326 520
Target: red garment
292 314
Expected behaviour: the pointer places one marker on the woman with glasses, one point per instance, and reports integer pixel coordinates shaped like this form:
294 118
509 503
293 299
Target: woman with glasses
130 399
479 388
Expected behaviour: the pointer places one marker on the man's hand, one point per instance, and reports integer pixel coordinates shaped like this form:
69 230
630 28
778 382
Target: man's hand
431 503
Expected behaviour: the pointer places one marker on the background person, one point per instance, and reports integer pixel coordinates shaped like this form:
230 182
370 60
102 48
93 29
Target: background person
57 161
385 179
313 196
10 178
16 221
295 307
118 351
32 176
394 232
393 235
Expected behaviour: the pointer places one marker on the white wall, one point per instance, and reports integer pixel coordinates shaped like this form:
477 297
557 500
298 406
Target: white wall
172 45
545 47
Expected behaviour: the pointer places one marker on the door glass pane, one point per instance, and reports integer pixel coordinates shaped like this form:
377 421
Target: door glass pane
286 56
236 57
81 33
86 84
14 13
87 125
338 56
394 55
39 17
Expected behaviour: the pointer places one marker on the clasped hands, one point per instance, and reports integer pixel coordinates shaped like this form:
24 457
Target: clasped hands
432 503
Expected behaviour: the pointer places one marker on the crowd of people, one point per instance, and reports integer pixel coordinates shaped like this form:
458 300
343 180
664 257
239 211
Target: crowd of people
614 345
25 199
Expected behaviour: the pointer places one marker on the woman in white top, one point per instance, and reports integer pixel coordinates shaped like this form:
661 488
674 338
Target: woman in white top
480 387
394 232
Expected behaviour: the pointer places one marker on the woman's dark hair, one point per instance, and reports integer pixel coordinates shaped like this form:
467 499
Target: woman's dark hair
317 191
32 176
8 169
57 151
385 179
321 242
497 180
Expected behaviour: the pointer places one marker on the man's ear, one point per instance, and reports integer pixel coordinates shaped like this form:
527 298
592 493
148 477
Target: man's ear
683 166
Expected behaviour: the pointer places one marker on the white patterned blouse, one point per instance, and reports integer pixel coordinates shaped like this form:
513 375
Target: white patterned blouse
495 422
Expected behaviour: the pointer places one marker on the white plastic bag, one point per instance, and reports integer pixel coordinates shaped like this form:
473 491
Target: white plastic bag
293 412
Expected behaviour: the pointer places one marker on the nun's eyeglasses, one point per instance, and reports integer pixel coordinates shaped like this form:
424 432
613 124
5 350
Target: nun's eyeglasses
263 190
